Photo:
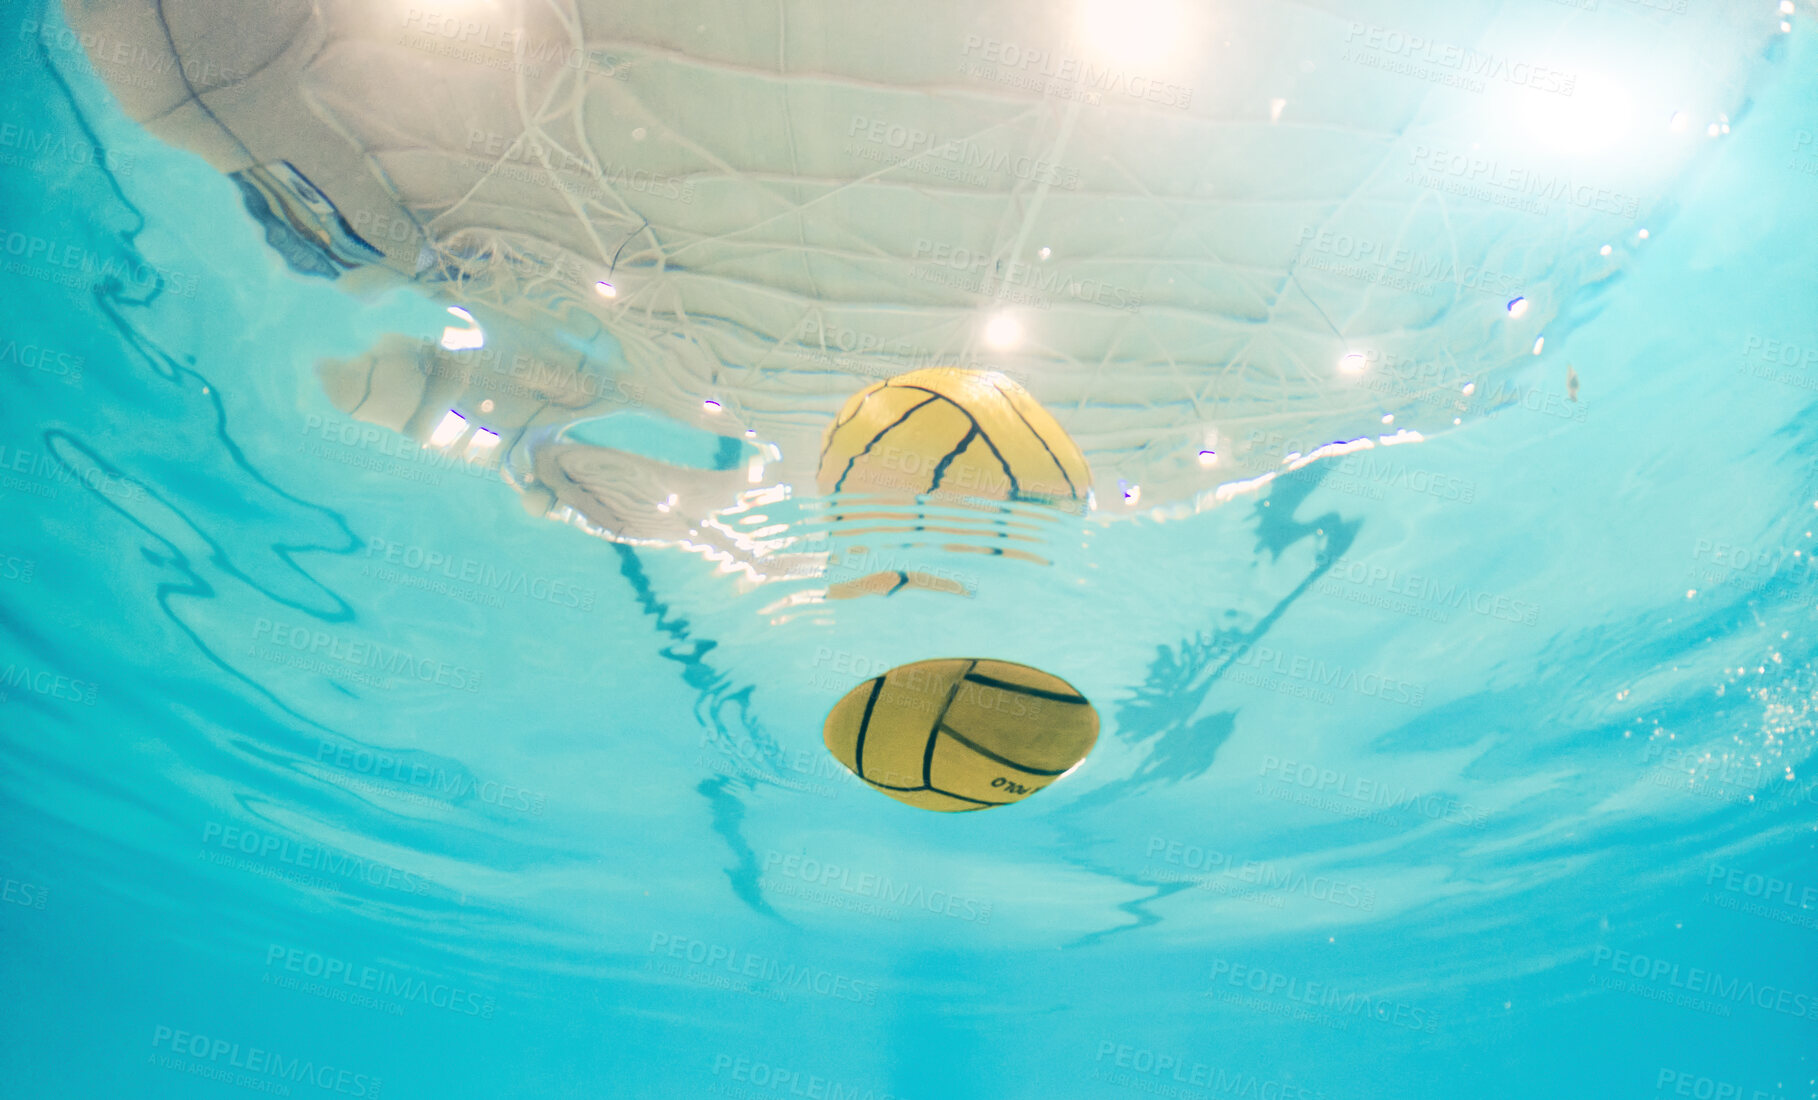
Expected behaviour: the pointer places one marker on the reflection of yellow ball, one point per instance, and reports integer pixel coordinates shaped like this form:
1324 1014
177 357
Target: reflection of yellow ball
961 432
961 734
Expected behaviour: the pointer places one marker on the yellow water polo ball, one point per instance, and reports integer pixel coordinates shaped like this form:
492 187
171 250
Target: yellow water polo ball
965 433
961 733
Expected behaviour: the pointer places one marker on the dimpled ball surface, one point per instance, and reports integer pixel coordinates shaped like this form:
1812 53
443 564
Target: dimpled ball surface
945 430
961 733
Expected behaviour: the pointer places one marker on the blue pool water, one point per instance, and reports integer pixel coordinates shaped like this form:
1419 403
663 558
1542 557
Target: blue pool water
1479 767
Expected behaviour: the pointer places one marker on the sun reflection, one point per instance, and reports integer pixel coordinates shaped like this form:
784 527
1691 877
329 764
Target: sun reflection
1130 32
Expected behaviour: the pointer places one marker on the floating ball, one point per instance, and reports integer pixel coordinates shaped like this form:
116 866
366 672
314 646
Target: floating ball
961 734
964 433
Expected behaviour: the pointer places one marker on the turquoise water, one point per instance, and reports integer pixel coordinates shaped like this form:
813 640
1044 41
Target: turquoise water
1474 768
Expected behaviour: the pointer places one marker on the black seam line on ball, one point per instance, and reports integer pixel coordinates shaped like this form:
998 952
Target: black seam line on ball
1039 438
827 444
1015 489
838 485
934 731
963 798
985 752
1051 696
858 750
835 430
940 468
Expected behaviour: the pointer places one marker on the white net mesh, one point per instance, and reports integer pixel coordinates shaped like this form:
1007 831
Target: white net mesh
1246 232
